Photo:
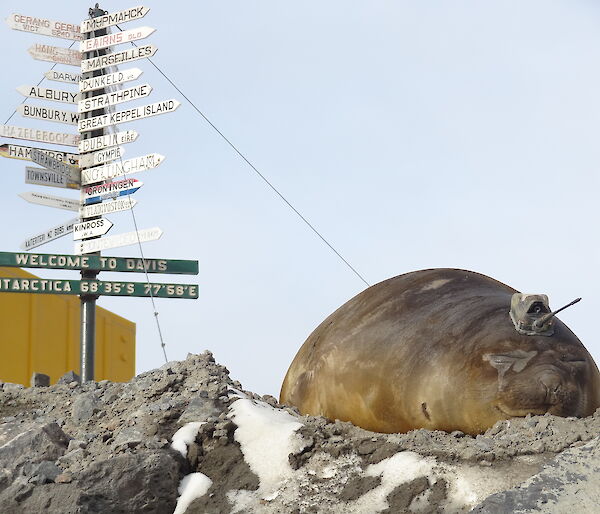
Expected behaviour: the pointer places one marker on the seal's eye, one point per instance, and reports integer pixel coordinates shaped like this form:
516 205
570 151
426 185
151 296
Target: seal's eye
575 361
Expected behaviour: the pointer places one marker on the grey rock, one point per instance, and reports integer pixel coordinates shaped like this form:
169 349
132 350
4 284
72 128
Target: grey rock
85 406
8 387
39 380
199 409
129 436
68 377
45 472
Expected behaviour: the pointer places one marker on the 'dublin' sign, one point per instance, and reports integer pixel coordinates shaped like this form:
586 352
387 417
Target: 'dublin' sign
49 235
45 27
55 54
41 136
116 97
43 93
129 238
104 61
144 111
116 38
118 169
100 142
47 114
98 263
97 287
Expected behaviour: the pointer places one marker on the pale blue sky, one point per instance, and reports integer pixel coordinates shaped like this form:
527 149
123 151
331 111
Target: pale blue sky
412 134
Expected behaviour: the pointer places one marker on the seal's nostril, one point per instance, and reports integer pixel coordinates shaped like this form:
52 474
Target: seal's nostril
552 384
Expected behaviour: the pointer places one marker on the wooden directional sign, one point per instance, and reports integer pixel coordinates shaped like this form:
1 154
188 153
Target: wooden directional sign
24 153
114 18
48 114
112 79
97 287
44 93
116 97
99 209
63 76
144 111
116 38
100 142
49 235
98 263
44 27
51 201
41 136
44 177
55 54
118 169
101 192
45 160
129 238
91 228
104 61
102 156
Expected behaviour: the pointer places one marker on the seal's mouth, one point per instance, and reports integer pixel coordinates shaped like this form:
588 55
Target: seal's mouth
521 413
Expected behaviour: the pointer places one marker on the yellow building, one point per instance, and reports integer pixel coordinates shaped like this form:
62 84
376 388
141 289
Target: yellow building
40 333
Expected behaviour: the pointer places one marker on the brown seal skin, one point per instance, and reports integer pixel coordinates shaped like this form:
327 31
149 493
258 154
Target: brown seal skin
437 349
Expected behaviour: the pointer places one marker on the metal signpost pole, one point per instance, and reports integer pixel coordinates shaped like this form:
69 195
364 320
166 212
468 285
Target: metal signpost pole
88 301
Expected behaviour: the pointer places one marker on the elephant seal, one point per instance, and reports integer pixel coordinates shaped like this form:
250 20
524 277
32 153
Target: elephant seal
437 349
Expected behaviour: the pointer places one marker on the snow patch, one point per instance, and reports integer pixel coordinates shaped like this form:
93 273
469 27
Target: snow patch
185 436
192 486
266 437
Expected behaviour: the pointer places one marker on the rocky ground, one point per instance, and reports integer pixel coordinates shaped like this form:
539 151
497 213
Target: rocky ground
187 438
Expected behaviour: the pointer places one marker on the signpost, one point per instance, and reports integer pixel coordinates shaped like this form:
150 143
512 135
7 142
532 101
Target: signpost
144 111
47 114
112 79
24 153
41 136
97 147
117 97
117 138
44 93
50 201
55 54
45 27
116 38
100 192
104 61
93 228
43 177
102 156
118 169
48 235
126 239
63 76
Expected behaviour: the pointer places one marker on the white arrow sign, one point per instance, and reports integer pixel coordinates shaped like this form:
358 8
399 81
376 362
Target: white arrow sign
45 160
137 113
118 169
42 136
91 228
97 143
44 177
24 153
55 54
47 114
51 201
108 190
99 209
44 27
111 79
106 155
63 76
49 235
129 238
117 97
44 93
116 38
104 61
114 18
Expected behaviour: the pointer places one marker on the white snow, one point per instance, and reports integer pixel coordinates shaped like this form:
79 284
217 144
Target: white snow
266 437
192 486
185 436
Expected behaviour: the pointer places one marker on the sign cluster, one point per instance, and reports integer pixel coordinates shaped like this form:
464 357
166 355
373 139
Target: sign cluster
95 167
